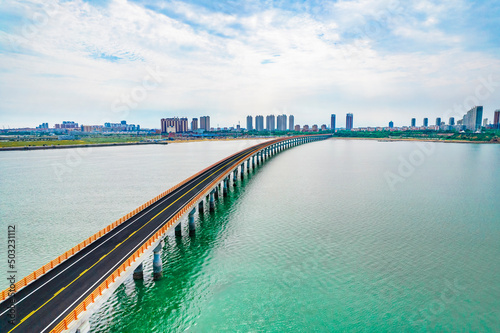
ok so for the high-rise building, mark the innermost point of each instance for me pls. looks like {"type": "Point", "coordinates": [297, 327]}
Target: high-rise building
{"type": "Point", "coordinates": [249, 123]}
{"type": "Point", "coordinates": [179, 124]}
{"type": "Point", "coordinates": [271, 122]}
{"type": "Point", "coordinates": [297, 128]}
{"type": "Point", "coordinates": [496, 120]}
{"type": "Point", "coordinates": [426, 122]}
{"type": "Point", "coordinates": [485, 122]}
{"type": "Point", "coordinates": [291, 123]}
{"type": "Point", "coordinates": [165, 124]}
{"type": "Point", "coordinates": [472, 119]}
{"type": "Point", "coordinates": [413, 122]}
{"type": "Point", "coordinates": [194, 124]}
{"type": "Point", "coordinates": [349, 121]}
{"type": "Point", "coordinates": [315, 128]}
{"type": "Point", "coordinates": [438, 121]}
{"type": "Point", "coordinates": [205, 123]}
{"type": "Point", "coordinates": [391, 124]}
{"type": "Point", "coordinates": [183, 125]}
{"type": "Point", "coordinates": [323, 127]}
{"type": "Point", "coordinates": [452, 121]}
{"type": "Point", "coordinates": [305, 128]}
{"type": "Point", "coordinates": [281, 122]}
{"type": "Point", "coordinates": [259, 123]}
{"type": "Point", "coordinates": [332, 123]}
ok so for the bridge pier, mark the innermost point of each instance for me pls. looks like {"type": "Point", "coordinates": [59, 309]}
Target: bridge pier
{"type": "Point", "coordinates": [235, 176]}
{"type": "Point", "coordinates": [200, 207]}
{"type": "Point", "coordinates": [242, 171]}
{"type": "Point", "coordinates": [138, 273]}
{"type": "Point", "coordinates": [157, 269]}
{"type": "Point", "coordinates": [224, 189]}
{"type": "Point", "coordinates": [248, 165]}
{"type": "Point", "coordinates": [192, 225]}
{"type": "Point", "coordinates": [216, 193]}
{"type": "Point", "coordinates": [178, 230]}
{"type": "Point", "coordinates": [212, 201]}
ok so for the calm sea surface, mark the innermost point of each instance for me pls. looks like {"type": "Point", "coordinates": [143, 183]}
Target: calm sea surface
{"type": "Point", "coordinates": [337, 235]}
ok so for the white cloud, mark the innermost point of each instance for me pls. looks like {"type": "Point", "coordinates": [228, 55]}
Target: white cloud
{"type": "Point", "coordinates": [230, 65]}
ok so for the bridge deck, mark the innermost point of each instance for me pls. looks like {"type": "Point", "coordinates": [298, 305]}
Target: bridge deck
{"type": "Point", "coordinates": [45, 302]}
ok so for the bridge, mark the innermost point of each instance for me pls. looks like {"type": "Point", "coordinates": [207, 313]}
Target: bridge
{"type": "Point", "coordinates": [62, 295]}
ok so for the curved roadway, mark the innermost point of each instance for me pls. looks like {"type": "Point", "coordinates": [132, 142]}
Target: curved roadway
{"type": "Point", "coordinates": [46, 301]}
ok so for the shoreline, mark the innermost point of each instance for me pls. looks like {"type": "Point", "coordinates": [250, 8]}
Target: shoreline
{"type": "Point", "coordinates": [89, 145]}
{"type": "Point", "coordinates": [415, 139]}
{"type": "Point", "coordinates": [94, 145]}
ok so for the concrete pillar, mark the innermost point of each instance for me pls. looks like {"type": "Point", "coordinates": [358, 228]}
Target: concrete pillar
{"type": "Point", "coordinates": [235, 176]}
{"type": "Point", "coordinates": [200, 207]}
{"type": "Point", "coordinates": [138, 273]}
{"type": "Point", "coordinates": [212, 201]}
{"type": "Point", "coordinates": [248, 165]}
{"type": "Point", "coordinates": [216, 193]}
{"type": "Point", "coordinates": [253, 162]}
{"type": "Point", "coordinates": [242, 171]}
{"type": "Point", "coordinates": [157, 269]}
{"type": "Point", "coordinates": [192, 225]}
{"type": "Point", "coordinates": [224, 189]}
{"type": "Point", "coordinates": [178, 230]}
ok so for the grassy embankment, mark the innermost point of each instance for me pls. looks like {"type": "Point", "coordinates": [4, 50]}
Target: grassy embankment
{"type": "Point", "coordinates": [81, 141]}
{"type": "Point", "coordinates": [486, 136]}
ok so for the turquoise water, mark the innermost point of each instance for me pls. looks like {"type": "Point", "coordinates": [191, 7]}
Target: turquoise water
{"type": "Point", "coordinates": [321, 238]}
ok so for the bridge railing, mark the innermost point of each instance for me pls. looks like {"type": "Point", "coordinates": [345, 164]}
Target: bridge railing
{"type": "Point", "coordinates": [63, 257]}
{"type": "Point", "coordinates": [82, 307]}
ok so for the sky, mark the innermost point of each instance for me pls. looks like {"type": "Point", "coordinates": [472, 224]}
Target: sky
{"type": "Point", "coordinates": [142, 60]}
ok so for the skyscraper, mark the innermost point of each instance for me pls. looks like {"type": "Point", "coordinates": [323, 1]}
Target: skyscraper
{"type": "Point", "coordinates": [205, 123]}
{"type": "Point", "coordinates": [413, 122]}
{"type": "Point", "coordinates": [332, 123]}
{"type": "Point", "coordinates": [180, 125]}
{"type": "Point", "coordinates": [349, 119]}
{"type": "Point", "coordinates": [194, 124]}
{"type": "Point", "coordinates": [291, 123]}
{"type": "Point", "coordinates": [183, 125]}
{"type": "Point", "coordinates": [452, 121]}
{"type": "Point", "coordinates": [496, 120]}
{"type": "Point", "coordinates": [438, 121]}
{"type": "Point", "coordinates": [259, 123]}
{"type": "Point", "coordinates": [249, 123]}
{"type": "Point", "coordinates": [281, 122]}
{"type": "Point", "coordinates": [271, 122]}
{"type": "Point", "coordinates": [473, 118]}
{"type": "Point", "coordinates": [391, 124]}
{"type": "Point", "coordinates": [426, 122]}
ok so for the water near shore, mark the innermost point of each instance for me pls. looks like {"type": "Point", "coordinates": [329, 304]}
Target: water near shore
{"type": "Point", "coordinates": [338, 235]}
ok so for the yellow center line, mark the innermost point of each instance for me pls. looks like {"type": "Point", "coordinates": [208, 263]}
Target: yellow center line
{"type": "Point", "coordinates": [85, 271]}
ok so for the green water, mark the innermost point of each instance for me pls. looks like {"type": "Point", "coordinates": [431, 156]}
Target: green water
{"type": "Point", "coordinates": [317, 240]}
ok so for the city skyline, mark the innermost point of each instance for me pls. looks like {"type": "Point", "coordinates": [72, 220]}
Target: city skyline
{"type": "Point", "coordinates": [284, 123]}
{"type": "Point", "coordinates": [310, 65]}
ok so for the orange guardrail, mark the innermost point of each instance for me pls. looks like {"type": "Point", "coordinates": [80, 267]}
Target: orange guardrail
{"type": "Point", "coordinates": [73, 315]}
{"type": "Point", "coordinates": [53, 263]}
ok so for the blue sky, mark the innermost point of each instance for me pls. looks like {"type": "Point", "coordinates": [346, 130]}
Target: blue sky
{"type": "Point", "coordinates": [96, 61]}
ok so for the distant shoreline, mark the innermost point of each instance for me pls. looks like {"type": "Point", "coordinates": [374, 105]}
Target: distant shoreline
{"type": "Point", "coordinates": [89, 145]}
{"type": "Point", "coordinates": [93, 145]}
{"type": "Point", "coordinates": [413, 139]}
